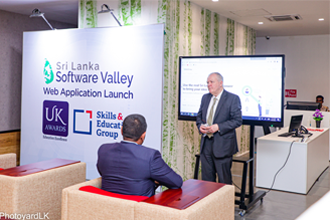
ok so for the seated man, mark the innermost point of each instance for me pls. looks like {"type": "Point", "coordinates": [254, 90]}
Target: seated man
{"type": "Point", "coordinates": [320, 100]}
{"type": "Point", "coordinates": [132, 169]}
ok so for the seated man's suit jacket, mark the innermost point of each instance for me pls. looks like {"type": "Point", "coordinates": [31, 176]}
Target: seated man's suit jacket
{"type": "Point", "coordinates": [131, 169]}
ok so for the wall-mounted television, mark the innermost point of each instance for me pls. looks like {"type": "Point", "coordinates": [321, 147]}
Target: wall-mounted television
{"type": "Point", "coordinates": [257, 79]}
{"type": "Point", "coordinates": [302, 105]}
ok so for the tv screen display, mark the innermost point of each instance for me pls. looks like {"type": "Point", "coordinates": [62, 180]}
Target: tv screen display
{"type": "Point", "coordinates": [257, 79]}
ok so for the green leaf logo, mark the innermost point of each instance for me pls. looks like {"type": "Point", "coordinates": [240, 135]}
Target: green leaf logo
{"type": "Point", "coordinates": [48, 72]}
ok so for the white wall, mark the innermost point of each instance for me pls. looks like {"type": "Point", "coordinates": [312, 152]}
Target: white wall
{"type": "Point", "coordinates": [306, 61]}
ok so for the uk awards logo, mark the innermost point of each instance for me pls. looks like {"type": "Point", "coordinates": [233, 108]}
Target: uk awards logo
{"type": "Point", "coordinates": [55, 118]}
{"type": "Point", "coordinates": [82, 121]}
{"type": "Point", "coordinates": [48, 72]}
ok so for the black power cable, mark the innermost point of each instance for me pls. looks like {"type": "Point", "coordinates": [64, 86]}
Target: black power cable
{"type": "Point", "coordinates": [287, 158]}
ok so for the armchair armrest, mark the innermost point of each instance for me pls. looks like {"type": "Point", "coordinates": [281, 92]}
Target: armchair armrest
{"type": "Point", "coordinates": [219, 205]}
{"type": "Point", "coordinates": [7, 160]}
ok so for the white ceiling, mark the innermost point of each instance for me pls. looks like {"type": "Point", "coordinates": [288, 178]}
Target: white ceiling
{"type": "Point", "coordinates": [310, 11]}
{"type": "Point", "coordinates": [246, 12]}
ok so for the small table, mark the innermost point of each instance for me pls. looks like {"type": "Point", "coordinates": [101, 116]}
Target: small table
{"type": "Point", "coordinates": [192, 191]}
{"type": "Point", "coordinates": [37, 167]}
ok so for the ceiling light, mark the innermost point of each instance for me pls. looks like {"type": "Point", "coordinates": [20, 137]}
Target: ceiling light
{"type": "Point", "coordinates": [37, 13]}
{"type": "Point", "coordinates": [215, 0]}
{"type": "Point", "coordinates": [321, 19]}
{"type": "Point", "coordinates": [107, 9]}
{"type": "Point", "coordinates": [260, 22]}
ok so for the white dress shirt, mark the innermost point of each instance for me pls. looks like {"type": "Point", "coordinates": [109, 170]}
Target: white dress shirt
{"type": "Point", "coordinates": [215, 105]}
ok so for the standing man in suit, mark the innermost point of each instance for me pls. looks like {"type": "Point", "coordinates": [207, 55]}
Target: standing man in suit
{"type": "Point", "coordinates": [218, 117]}
{"type": "Point", "coordinates": [132, 169]}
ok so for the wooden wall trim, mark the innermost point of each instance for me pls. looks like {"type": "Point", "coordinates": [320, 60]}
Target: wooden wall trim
{"type": "Point", "coordinates": [10, 142]}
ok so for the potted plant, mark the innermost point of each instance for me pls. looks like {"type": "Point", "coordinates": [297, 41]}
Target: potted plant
{"type": "Point", "coordinates": [318, 117]}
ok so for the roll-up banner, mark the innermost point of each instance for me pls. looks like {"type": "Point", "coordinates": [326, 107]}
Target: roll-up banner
{"type": "Point", "coordinates": [79, 84]}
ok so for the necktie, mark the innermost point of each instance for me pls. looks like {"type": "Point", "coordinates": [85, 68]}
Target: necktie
{"type": "Point", "coordinates": [210, 118]}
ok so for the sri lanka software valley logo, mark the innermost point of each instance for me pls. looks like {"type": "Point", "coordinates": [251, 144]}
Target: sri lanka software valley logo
{"type": "Point", "coordinates": [48, 72]}
{"type": "Point", "coordinates": [55, 118]}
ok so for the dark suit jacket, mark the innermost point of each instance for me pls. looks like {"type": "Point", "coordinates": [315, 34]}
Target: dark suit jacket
{"type": "Point", "coordinates": [131, 169]}
{"type": "Point", "coordinates": [228, 116]}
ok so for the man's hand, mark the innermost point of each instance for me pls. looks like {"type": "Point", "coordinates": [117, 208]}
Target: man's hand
{"type": "Point", "coordinates": [213, 128]}
{"type": "Point", "coordinates": [156, 184]}
{"type": "Point", "coordinates": [204, 129]}
{"type": "Point", "coordinates": [209, 129]}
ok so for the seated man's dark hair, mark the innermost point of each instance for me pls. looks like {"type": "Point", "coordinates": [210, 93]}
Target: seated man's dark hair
{"type": "Point", "coordinates": [320, 96]}
{"type": "Point", "coordinates": [134, 126]}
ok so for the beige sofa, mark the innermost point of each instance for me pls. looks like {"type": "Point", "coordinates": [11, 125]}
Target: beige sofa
{"type": "Point", "coordinates": [7, 160]}
{"type": "Point", "coordinates": [39, 192]}
{"type": "Point", "coordinates": [82, 205]}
